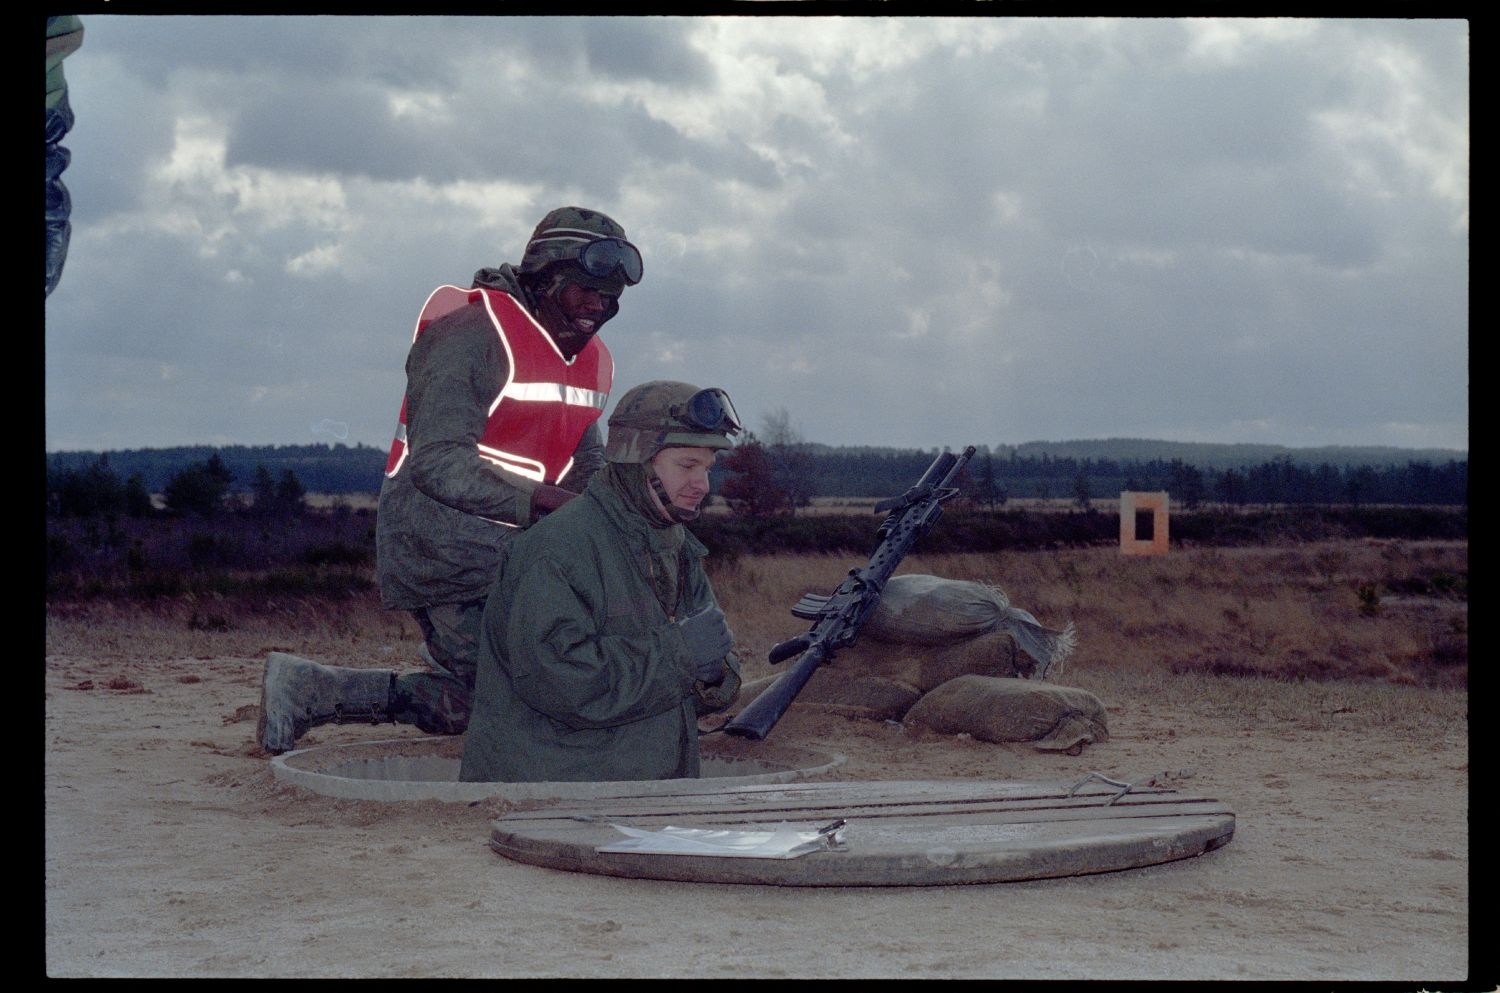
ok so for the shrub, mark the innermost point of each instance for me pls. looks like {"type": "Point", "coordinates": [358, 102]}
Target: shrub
{"type": "Point", "coordinates": [199, 489]}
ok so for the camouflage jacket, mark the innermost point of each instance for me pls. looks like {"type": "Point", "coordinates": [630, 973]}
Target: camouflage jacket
{"type": "Point", "coordinates": [444, 517]}
{"type": "Point", "coordinates": [585, 677]}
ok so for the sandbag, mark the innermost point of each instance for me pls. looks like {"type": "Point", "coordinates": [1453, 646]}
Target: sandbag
{"type": "Point", "coordinates": [930, 610]}
{"type": "Point", "coordinates": [928, 667]}
{"type": "Point", "coordinates": [874, 698]}
{"type": "Point", "coordinates": [866, 696]}
{"type": "Point", "coordinates": [1055, 718]}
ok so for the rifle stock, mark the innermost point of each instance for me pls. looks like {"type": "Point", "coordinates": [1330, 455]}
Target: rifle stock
{"type": "Point", "coordinates": [837, 618]}
{"type": "Point", "coordinates": [757, 719]}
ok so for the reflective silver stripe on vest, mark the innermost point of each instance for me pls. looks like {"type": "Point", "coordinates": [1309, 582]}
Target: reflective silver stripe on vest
{"type": "Point", "coordinates": [518, 464]}
{"type": "Point", "coordinates": [522, 466]}
{"type": "Point", "coordinates": [491, 520]}
{"type": "Point", "coordinates": [573, 396]}
{"type": "Point", "coordinates": [400, 459]}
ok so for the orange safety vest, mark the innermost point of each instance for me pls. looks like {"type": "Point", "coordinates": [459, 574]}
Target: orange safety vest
{"type": "Point", "coordinates": [547, 401]}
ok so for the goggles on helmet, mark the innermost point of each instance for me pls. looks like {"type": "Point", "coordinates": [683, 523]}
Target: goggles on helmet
{"type": "Point", "coordinates": [601, 258]}
{"type": "Point", "coordinates": [709, 410]}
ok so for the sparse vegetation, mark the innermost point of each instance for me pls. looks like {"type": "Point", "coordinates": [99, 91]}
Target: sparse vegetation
{"type": "Point", "coordinates": [330, 552]}
{"type": "Point", "coordinates": [1303, 595]}
{"type": "Point", "coordinates": [1291, 612]}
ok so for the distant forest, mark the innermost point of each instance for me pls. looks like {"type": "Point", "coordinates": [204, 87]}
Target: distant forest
{"type": "Point", "coordinates": [1054, 471]}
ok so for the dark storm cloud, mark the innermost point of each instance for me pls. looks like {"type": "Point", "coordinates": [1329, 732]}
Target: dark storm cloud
{"type": "Point", "coordinates": [649, 49]}
{"type": "Point", "coordinates": [914, 232]}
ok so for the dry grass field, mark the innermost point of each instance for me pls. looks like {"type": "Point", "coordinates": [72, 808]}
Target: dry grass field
{"type": "Point", "coordinates": [1295, 612]}
{"type": "Point", "coordinates": [1319, 689]}
{"type": "Point", "coordinates": [1369, 611]}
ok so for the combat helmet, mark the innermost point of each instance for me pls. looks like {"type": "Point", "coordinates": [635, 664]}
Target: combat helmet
{"type": "Point", "coordinates": [588, 238]}
{"type": "Point", "coordinates": [664, 413]}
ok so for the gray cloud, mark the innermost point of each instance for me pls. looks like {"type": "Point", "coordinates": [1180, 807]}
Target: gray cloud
{"type": "Point", "coordinates": [919, 232]}
{"type": "Point", "coordinates": [654, 49]}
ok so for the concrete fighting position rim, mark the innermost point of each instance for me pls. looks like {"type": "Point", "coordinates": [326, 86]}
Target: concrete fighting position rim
{"type": "Point", "coordinates": [369, 770]}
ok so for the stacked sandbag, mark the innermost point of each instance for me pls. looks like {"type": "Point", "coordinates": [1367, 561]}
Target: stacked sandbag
{"type": "Point", "coordinates": [933, 611]}
{"type": "Point", "coordinates": [925, 667]}
{"type": "Point", "coordinates": [949, 655]}
{"type": "Point", "coordinates": [1055, 718]}
{"type": "Point", "coordinates": [881, 680]}
{"type": "Point", "coordinates": [836, 689]}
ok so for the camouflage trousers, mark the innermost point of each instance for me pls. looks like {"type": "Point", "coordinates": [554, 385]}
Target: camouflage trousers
{"type": "Point", "coordinates": [438, 701]}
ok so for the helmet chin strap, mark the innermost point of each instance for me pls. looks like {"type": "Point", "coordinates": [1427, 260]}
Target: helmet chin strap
{"type": "Point", "coordinates": [549, 314]}
{"type": "Point", "coordinates": [669, 510]}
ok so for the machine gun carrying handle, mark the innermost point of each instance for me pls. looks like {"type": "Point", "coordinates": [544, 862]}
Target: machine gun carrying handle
{"type": "Point", "coordinates": [810, 607]}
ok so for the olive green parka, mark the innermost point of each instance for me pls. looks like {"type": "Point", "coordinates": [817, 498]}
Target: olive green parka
{"type": "Point", "coordinates": [583, 674]}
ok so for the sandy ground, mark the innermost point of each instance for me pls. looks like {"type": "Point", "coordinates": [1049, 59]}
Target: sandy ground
{"type": "Point", "coordinates": [172, 850]}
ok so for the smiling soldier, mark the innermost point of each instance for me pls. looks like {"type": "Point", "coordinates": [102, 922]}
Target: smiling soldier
{"type": "Point", "coordinates": [505, 382]}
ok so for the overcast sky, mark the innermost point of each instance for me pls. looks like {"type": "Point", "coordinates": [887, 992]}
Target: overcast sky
{"type": "Point", "coordinates": [897, 232]}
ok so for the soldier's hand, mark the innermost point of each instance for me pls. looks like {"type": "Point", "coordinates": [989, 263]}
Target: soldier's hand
{"type": "Point", "coordinates": [545, 499]}
{"type": "Point", "coordinates": [708, 640]}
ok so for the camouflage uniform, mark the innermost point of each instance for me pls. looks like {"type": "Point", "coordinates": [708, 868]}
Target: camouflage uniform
{"type": "Point", "coordinates": [437, 540]}
{"type": "Point", "coordinates": [64, 36]}
{"type": "Point", "coordinates": [446, 514]}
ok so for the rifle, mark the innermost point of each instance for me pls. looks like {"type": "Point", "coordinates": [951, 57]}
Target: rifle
{"type": "Point", "coordinates": [837, 618]}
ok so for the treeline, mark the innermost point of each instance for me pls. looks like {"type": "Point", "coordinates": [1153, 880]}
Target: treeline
{"type": "Point", "coordinates": [968, 530]}
{"type": "Point", "coordinates": [202, 489]}
{"type": "Point", "coordinates": [804, 471]}
{"type": "Point", "coordinates": [106, 536]}
{"type": "Point", "coordinates": [1282, 480]}
{"type": "Point", "coordinates": [320, 468]}
{"type": "Point", "coordinates": [1240, 455]}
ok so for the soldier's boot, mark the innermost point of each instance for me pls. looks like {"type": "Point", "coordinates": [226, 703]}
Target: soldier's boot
{"type": "Point", "coordinates": [297, 694]}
